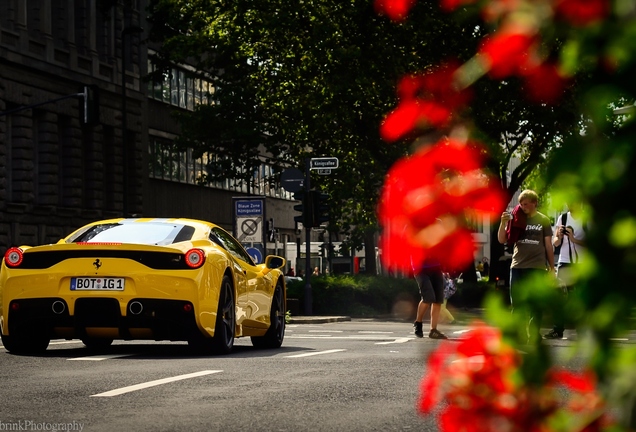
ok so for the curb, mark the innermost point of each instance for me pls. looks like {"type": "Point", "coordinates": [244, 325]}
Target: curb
{"type": "Point", "coordinates": [317, 319]}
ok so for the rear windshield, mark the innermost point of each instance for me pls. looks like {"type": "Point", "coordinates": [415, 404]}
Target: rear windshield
{"type": "Point", "coordinates": [138, 233]}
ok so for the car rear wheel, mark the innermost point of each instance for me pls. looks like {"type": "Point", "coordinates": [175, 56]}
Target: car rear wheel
{"type": "Point", "coordinates": [225, 326]}
{"type": "Point", "coordinates": [31, 345]}
{"type": "Point", "coordinates": [276, 332]}
{"type": "Point", "coordinates": [96, 343]}
{"type": "Point", "coordinates": [225, 329]}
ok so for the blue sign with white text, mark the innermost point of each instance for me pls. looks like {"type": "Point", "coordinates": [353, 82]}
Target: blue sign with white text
{"type": "Point", "coordinates": [249, 208]}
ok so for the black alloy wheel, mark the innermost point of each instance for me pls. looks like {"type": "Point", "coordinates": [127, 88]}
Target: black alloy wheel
{"type": "Point", "coordinates": [225, 329]}
{"type": "Point", "coordinates": [276, 332]}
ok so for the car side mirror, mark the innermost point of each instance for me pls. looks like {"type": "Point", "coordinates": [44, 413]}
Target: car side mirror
{"type": "Point", "coordinates": [274, 262]}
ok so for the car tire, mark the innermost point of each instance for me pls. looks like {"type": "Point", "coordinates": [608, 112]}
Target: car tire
{"type": "Point", "coordinates": [96, 343]}
{"type": "Point", "coordinates": [276, 332]}
{"type": "Point", "coordinates": [32, 345]}
{"type": "Point", "coordinates": [225, 327]}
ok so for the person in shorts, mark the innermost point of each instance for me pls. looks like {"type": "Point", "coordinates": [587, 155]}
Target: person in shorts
{"type": "Point", "coordinates": [430, 280]}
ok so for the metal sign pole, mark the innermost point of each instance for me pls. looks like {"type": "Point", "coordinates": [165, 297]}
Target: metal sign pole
{"type": "Point", "coordinates": [308, 298]}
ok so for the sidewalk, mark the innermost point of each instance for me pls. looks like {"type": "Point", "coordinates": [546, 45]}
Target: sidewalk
{"type": "Point", "coordinates": [462, 316]}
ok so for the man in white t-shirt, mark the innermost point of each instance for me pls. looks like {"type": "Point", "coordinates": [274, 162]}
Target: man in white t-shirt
{"type": "Point", "coordinates": [570, 235]}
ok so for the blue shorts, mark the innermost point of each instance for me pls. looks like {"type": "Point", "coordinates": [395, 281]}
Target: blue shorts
{"type": "Point", "coordinates": [431, 283]}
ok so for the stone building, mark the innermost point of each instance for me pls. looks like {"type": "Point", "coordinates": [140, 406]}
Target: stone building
{"type": "Point", "coordinates": [57, 172]}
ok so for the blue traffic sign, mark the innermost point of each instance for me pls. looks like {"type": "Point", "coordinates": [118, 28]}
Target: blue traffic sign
{"type": "Point", "coordinates": [256, 254]}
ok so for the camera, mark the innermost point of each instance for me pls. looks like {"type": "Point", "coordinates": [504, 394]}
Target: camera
{"type": "Point", "coordinates": [565, 232]}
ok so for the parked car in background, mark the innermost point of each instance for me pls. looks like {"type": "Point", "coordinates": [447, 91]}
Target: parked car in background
{"type": "Point", "coordinates": [156, 279]}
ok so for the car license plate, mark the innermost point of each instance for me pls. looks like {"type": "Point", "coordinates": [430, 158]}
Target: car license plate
{"type": "Point", "coordinates": [99, 284]}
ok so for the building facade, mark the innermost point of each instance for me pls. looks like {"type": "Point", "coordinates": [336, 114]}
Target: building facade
{"type": "Point", "coordinates": [58, 172]}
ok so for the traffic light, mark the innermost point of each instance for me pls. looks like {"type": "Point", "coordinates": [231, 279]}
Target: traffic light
{"type": "Point", "coordinates": [320, 208]}
{"type": "Point", "coordinates": [305, 208]}
{"type": "Point", "coordinates": [89, 105]}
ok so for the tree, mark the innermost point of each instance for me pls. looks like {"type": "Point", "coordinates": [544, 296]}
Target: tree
{"type": "Point", "coordinates": [321, 75]}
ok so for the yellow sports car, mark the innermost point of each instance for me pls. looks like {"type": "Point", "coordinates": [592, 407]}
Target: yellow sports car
{"type": "Point", "coordinates": [156, 279]}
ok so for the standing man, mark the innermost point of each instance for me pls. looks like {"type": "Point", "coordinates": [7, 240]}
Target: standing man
{"type": "Point", "coordinates": [570, 235]}
{"type": "Point", "coordinates": [533, 253]}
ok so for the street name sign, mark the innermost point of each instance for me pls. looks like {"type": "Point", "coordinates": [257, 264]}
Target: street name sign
{"type": "Point", "coordinates": [323, 163]}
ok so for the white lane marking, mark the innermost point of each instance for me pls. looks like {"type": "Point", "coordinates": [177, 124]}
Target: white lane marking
{"type": "Point", "coordinates": [315, 336]}
{"type": "Point", "coordinates": [615, 339]}
{"type": "Point", "coordinates": [375, 332]}
{"type": "Point", "coordinates": [141, 386]}
{"type": "Point", "coordinates": [315, 353]}
{"type": "Point", "coordinates": [55, 343]}
{"type": "Point", "coordinates": [330, 337]}
{"type": "Point", "coordinates": [398, 340]}
{"type": "Point", "coordinates": [101, 357]}
{"type": "Point", "coordinates": [325, 331]}
{"type": "Point", "coordinates": [461, 331]}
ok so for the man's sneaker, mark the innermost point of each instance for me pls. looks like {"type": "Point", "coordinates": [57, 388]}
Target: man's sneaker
{"type": "Point", "coordinates": [553, 335]}
{"type": "Point", "coordinates": [418, 329]}
{"type": "Point", "coordinates": [436, 334]}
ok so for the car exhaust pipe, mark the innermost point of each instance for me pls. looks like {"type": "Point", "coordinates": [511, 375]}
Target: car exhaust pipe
{"type": "Point", "coordinates": [136, 308]}
{"type": "Point", "coordinates": [58, 307]}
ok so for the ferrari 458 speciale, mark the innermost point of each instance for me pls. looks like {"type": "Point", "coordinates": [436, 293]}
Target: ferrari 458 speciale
{"type": "Point", "coordinates": [130, 279]}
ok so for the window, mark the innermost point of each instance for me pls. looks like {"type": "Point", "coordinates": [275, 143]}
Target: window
{"type": "Point", "coordinates": [7, 13]}
{"type": "Point", "coordinates": [180, 88]}
{"type": "Point", "coordinates": [59, 23]}
{"type": "Point", "coordinates": [228, 243]}
{"type": "Point", "coordinates": [34, 18]}
{"type": "Point", "coordinates": [168, 163]}
{"type": "Point", "coordinates": [104, 32]}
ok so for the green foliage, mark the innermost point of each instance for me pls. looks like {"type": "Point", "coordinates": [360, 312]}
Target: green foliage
{"type": "Point", "coordinates": [358, 296]}
{"type": "Point", "coordinates": [322, 75]}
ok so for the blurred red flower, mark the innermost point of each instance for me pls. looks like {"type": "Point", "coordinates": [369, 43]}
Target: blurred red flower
{"type": "Point", "coordinates": [582, 12]}
{"type": "Point", "coordinates": [426, 100]}
{"type": "Point", "coordinates": [478, 382]}
{"type": "Point", "coordinates": [425, 201]}
{"type": "Point", "coordinates": [544, 83]}
{"type": "Point", "coordinates": [397, 10]}
{"type": "Point", "coordinates": [507, 53]}
{"type": "Point", "coordinates": [451, 5]}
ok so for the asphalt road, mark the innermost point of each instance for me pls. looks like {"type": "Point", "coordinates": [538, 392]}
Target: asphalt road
{"type": "Point", "coordinates": [360, 375]}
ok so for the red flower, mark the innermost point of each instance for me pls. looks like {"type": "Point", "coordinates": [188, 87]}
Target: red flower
{"type": "Point", "coordinates": [507, 53]}
{"type": "Point", "coordinates": [397, 10]}
{"type": "Point", "coordinates": [426, 100]}
{"type": "Point", "coordinates": [582, 12]}
{"type": "Point", "coordinates": [425, 200]}
{"type": "Point", "coordinates": [412, 115]}
{"type": "Point", "coordinates": [451, 5]}
{"type": "Point", "coordinates": [580, 382]}
{"type": "Point", "coordinates": [480, 389]}
{"type": "Point", "coordinates": [544, 84]}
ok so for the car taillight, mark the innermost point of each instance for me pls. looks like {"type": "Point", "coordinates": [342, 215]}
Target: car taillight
{"type": "Point", "coordinates": [194, 258]}
{"type": "Point", "coordinates": [13, 257]}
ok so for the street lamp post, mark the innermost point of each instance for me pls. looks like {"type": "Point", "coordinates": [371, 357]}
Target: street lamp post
{"type": "Point", "coordinates": [124, 111]}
